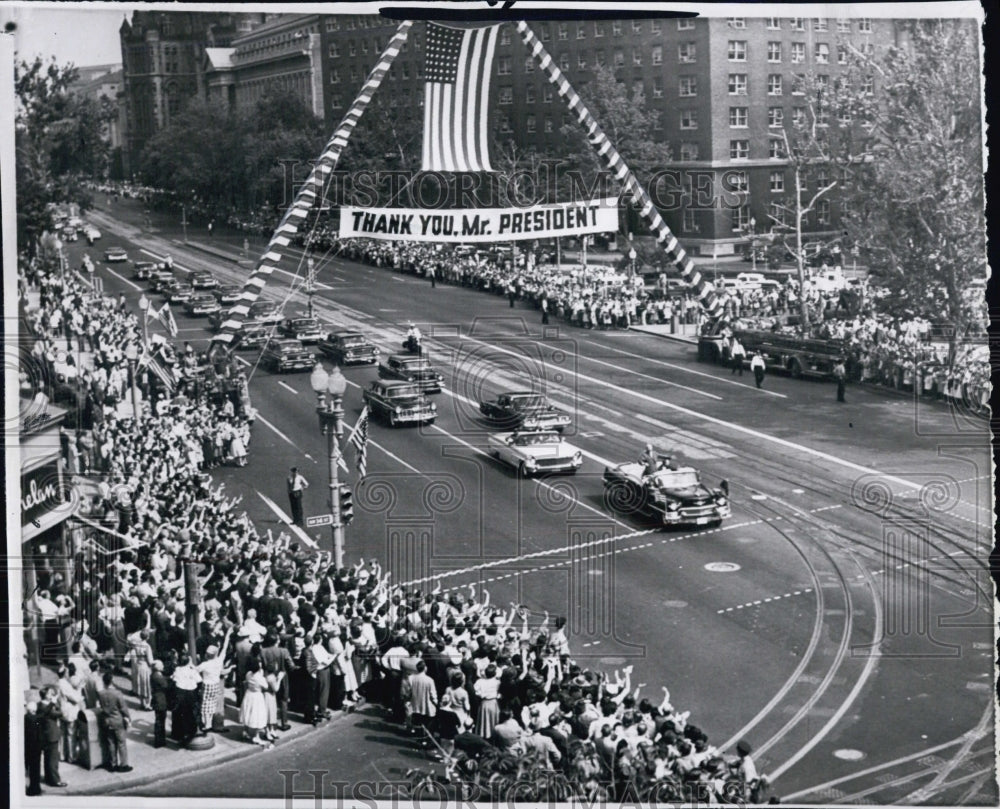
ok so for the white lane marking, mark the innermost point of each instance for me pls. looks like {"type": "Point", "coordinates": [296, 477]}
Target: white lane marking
{"type": "Point", "coordinates": [299, 532]}
{"type": "Point", "coordinates": [245, 362]}
{"type": "Point", "coordinates": [396, 458]}
{"type": "Point", "coordinates": [723, 423]}
{"type": "Point", "coordinates": [286, 386]}
{"type": "Point", "coordinates": [766, 601]}
{"type": "Point", "coordinates": [541, 483]}
{"type": "Point", "coordinates": [687, 370]}
{"type": "Point", "coordinates": [649, 376]}
{"type": "Point", "coordinates": [123, 278]}
{"type": "Point", "coordinates": [686, 440]}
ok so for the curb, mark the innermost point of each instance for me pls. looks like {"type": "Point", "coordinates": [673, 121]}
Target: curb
{"type": "Point", "coordinates": [675, 337]}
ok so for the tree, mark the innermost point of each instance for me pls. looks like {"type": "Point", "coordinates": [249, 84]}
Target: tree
{"type": "Point", "coordinates": [916, 209]}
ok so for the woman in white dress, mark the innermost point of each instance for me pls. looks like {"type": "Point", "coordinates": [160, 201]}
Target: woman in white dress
{"type": "Point", "coordinates": [253, 710]}
{"type": "Point", "coordinates": [487, 688]}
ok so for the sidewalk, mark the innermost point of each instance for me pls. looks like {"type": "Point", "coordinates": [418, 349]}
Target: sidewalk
{"type": "Point", "coordinates": [686, 332]}
{"type": "Point", "coordinates": [150, 763]}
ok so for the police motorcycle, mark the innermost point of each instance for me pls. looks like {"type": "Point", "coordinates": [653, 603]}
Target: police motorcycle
{"type": "Point", "coordinates": [412, 343]}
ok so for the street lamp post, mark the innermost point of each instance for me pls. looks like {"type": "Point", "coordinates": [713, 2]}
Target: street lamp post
{"type": "Point", "coordinates": [631, 263]}
{"type": "Point", "coordinates": [132, 355]}
{"type": "Point", "coordinates": [310, 282]}
{"type": "Point", "coordinates": [184, 222]}
{"type": "Point", "coordinates": [144, 308]}
{"type": "Point", "coordinates": [329, 388]}
{"type": "Point", "coordinates": [753, 242]}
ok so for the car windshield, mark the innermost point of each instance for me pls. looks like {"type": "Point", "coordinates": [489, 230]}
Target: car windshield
{"type": "Point", "coordinates": [536, 439]}
{"type": "Point", "coordinates": [352, 341]}
{"type": "Point", "coordinates": [403, 391]}
{"type": "Point", "coordinates": [525, 402]}
{"type": "Point", "coordinates": [681, 479]}
{"type": "Point", "coordinates": [304, 323]}
{"type": "Point", "coordinates": [414, 364]}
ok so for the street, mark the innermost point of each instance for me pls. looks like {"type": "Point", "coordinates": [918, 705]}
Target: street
{"type": "Point", "coordinates": [840, 619]}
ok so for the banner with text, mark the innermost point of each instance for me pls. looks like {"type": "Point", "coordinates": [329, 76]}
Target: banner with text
{"type": "Point", "coordinates": [481, 224]}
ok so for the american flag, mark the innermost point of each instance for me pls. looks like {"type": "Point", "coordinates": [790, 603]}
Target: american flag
{"type": "Point", "coordinates": [359, 438]}
{"type": "Point", "coordinates": [456, 98]}
{"type": "Point", "coordinates": [166, 317]}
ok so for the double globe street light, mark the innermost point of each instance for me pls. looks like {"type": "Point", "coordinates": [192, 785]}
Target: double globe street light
{"type": "Point", "coordinates": [329, 389]}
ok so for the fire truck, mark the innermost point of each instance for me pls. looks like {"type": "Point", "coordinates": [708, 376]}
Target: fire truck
{"type": "Point", "coordinates": [798, 356]}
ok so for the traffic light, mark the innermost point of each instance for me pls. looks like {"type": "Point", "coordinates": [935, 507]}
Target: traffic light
{"type": "Point", "coordinates": [346, 504]}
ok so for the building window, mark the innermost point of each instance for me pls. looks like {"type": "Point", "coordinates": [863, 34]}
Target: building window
{"type": "Point", "coordinates": [505, 124]}
{"type": "Point", "coordinates": [689, 225]}
{"type": "Point", "coordinates": [354, 73]}
{"type": "Point", "coordinates": [336, 101]}
{"type": "Point", "coordinates": [616, 28]}
{"type": "Point", "coordinates": [739, 182]}
{"type": "Point", "coordinates": [563, 31]}
{"type": "Point", "coordinates": [799, 84]}
{"type": "Point", "coordinates": [865, 25]}
{"type": "Point", "coordinates": [636, 57]}
{"type": "Point", "coordinates": [506, 95]}
{"type": "Point", "coordinates": [687, 86]}
{"type": "Point", "coordinates": [686, 52]}
{"type": "Point", "coordinates": [798, 116]}
{"type": "Point", "coordinates": [774, 86]}
{"type": "Point", "coordinates": [737, 22]}
{"type": "Point", "coordinates": [655, 26]}
{"type": "Point", "coordinates": [739, 149]}
{"type": "Point", "coordinates": [529, 64]}
{"type": "Point", "coordinates": [819, 24]}
{"type": "Point", "coordinates": [776, 211]}
{"type": "Point", "coordinates": [334, 50]}
{"type": "Point", "coordinates": [868, 86]}
{"type": "Point", "coordinates": [505, 36]}
{"type": "Point", "coordinates": [598, 29]}
{"type": "Point", "coordinates": [823, 81]}
{"type": "Point", "coordinates": [657, 87]}
{"type": "Point", "coordinates": [823, 212]}
{"type": "Point", "coordinates": [686, 24]}
{"type": "Point", "coordinates": [773, 23]}
{"type": "Point", "coordinates": [657, 55]}
{"type": "Point", "coordinates": [599, 58]}
{"type": "Point", "coordinates": [638, 88]}
{"type": "Point", "coordinates": [531, 125]}
{"type": "Point", "coordinates": [689, 151]}
{"type": "Point", "coordinates": [334, 76]}
{"type": "Point", "coordinates": [545, 34]}
{"type": "Point", "coordinates": [776, 149]}
{"type": "Point", "coordinates": [773, 51]}
{"type": "Point", "coordinates": [332, 24]}
{"type": "Point", "coordinates": [405, 70]}
{"type": "Point", "coordinates": [352, 49]}
{"type": "Point", "coordinates": [843, 26]}
{"type": "Point", "coordinates": [581, 60]}
{"type": "Point", "coordinates": [636, 26]}
{"type": "Point", "coordinates": [741, 218]}
{"type": "Point", "coordinates": [737, 84]}
{"type": "Point", "coordinates": [689, 119]}
{"type": "Point", "coordinates": [364, 46]}
{"type": "Point", "coordinates": [548, 123]}
{"type": "Point", "coordinates": [775, 117]}
{"type": "Point", "coordinates": [619, 58]}
{"type": "Point", "coordinates": [546, 93]}
{"type": "Point", "coordinates": [777, 182]}
{"type": "Point", "coordinates": [738, 117]}
{"type": "Point", "coordinates": [737, 50]}
{"type": "Point", "coordinates": [503, 66]}
{"type": "Point", "coordinates": [564, 61]}
{"type": "Point", "coordinates": [529, 94]}
{"type": "Point", "coordinates": [581, 31]}
{"type": "Point", "coordinates": [797, 23]}
{"type": "Point", "coordinates": [822, 53]}
{"type": "Point", "coordinates": [841, 54]}
{"type": "Point", "coordinates": [798, 52]}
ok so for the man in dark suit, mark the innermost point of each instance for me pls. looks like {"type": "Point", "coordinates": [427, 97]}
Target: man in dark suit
{"type": "Point", "coordinates": [115, 716]}
{"type": "Point", "coordinates": [33, 748]}
{"type": "Point", "coordinates": [50, 717]}
{"type": "Point", "coordinates": [160, 687]}
{"type": "Point", "coordinates": [275, 659]}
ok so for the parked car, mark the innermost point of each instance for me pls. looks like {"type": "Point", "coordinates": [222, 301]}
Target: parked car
{"type": "Point", "coordinates": [142, 270]}
{"type": "Point", "coordinates": [672, 494]}
{"type": "Point", "coordinates": [286, 354]}
{"type": "Point", "coordinates": [227, 294]}
{"type": "Point", "coordinates": [348, 348]}
{"type": "Point", "coordinates": [200, 279]}
{"type": "Point", "coordinates": [115, 254]}
{"type": "Point", "coordinates": [178, 292]}
{"type": "Point", "coordinates": [304, 329]}
{"type": "Point", "coordinates": [201, 303]}
{"type": "Point", "coordinates": [399, 403]}
{"type": "Point", "coordinates": [524, 410]}
{"type": "Point", "coordinates": [411, 369]}
{"type": "Point", "coordinates": [265, 312]}
{"type": "Point", "coordinates": [532, 452]}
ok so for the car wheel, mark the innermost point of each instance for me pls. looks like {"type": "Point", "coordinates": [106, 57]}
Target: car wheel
{"type": "Point", "coordinates": [522, 470]}
{"type": "Point", "coordinates": [429, 422]}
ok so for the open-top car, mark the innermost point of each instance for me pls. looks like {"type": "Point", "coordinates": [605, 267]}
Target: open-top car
{"type": "Point", "coordinates": [524, 410]}
{"type": "Point", "coordinates": [201, 279]}
{"type": "Point", "coordinates": [411, 369]}
{"type": "Point", "coordinates": [226, 295]}
{"type": "Point", "coordinates": [348, 348]}
{"type": "Point", "coordinates": [91, 233]}
{"type": "Point", "coordinates": [115, 254]}
{"type": "Point", "coordinates": [142, 270]}
{"type": "Point", "coordinates": [265, 312]}
{"type": "Point", "coordinates": [159, 276]}
{"type": "Point", "coordinates": [302, 328]}
{"type": "Point", "coordinates": [532, 452]}
{"type": "Point", "coordinates": [201, 303]}
{"type": "Point", "coordinates": [286, 354]}
{"type": "Point", "coordinates": [399, 402]}
{"type": "Point", "coordinates": [672, 494]}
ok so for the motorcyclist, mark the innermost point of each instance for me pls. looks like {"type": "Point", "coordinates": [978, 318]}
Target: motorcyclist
{"type": "Point", "coordinates": [413, 338]}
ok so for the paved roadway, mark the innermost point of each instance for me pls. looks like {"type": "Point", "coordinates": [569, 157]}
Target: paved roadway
{"type": "Point", "coordinates": [847, 630]}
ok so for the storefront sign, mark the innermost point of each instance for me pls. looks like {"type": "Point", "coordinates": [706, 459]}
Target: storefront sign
{"type": "Point", "coordinates": [41, 492]}
{"type": "Point", "coordinates": [480, 224]}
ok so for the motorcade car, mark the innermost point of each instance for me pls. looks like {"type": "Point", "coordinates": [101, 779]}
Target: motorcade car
{"type": "Point", "coordinates": [251, 336]}
{"type": "Point", "coordinates": [535, 451]}
{"type": "Point", "coordinates": [348, 348]}
{"type": "Point", "coordinates": [201, 303]}
{"type": "Point", "coordinates": [670, 493]}
{"type": "Point", "coordinates": [160, 277]}
{"type": "Point", "coordinates": [284, 354]}
{"type": "Point", "coordinates": [201, 279]}
{"type": "Point", "coordinates": [91, 233]}
{"type": "Point", "coordinates": [114, 254]}
{"type": "Point", "coordinates": [265, 312]}
{"type": "Point", "coordinates": [399, 402]}
{"type": "Point", "coordinates": [69, 234]}
{"type": "Point", "coordinates": [142, 270]}
{"type": "Point", "coordinates": [303, 328]}
{"type": "Point", "coordinates": [178, 292]}
{"type": "Point", "coordinates": [412, 369]}
{"type": "Point", "coordinates": [524, 410]}
{"type": "Point", "coordinates": [227, 294]}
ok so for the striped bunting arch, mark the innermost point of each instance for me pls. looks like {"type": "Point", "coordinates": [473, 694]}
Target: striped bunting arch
{"type": "Point", "coordinates": [311, 189]}
{"type": "Point", "coordinates": [616, 164]}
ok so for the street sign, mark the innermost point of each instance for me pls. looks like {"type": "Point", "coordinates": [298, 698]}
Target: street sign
{"type": "Point", "coordinates": [318, 520]}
